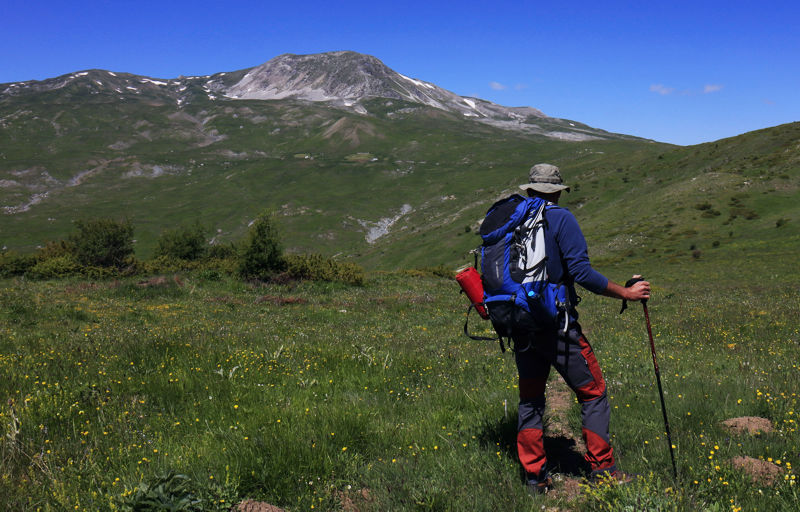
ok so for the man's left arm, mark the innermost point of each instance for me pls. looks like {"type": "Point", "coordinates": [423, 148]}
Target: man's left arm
{"type": "Point", "coordinates": [573, 247]}
{"type": "Point", "coordinates": [640, 290]}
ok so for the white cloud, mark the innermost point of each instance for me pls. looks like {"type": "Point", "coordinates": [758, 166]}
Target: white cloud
{"type": "Point", "coordinates": [520, 87]}
{"type": "Point", "coordinates": [497, 86]}
{"type": "Point", "coordinates": [709, 88]}
{"type": "Point", "coordinates": [661, 89]}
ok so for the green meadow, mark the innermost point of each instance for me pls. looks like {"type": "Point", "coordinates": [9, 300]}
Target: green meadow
{"type": "Point", "coordinates": [188, 393]}
{"type": "Point", "coordinates": [196, 390]}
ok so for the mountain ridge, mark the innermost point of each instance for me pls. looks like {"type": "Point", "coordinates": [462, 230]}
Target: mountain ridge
{"type": "Point", "coordinates": [344, 79]}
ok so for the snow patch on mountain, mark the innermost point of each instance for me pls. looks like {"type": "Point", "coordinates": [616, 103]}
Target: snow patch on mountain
{"type": "Point", "coordinates": [151, 81]}
{"type": "Point", "coordinates": [417, 82]}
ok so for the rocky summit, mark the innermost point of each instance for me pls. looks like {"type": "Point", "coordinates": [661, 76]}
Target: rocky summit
{"type": "Point", "coordinates": [347, 79]}
{"type": "Point", "coordinates": [344, 79]}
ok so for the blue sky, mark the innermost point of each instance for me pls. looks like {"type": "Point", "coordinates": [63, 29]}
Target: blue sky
{"type": "Point", "coordinates": [679, 72]}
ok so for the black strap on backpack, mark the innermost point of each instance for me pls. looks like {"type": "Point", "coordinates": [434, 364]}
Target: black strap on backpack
{"type": "Point", "coordinates": [484, 338]}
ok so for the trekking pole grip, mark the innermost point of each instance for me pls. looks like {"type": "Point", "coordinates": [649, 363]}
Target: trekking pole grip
{"type": "Point", "coordinates": [630, 282]}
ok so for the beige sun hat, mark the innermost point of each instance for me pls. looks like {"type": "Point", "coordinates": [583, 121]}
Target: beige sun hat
{"type": "Point", "coordinates": [545, 178]}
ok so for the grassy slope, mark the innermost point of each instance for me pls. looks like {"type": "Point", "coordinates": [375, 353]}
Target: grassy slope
{"type": "Point", "coordinates": [223, 162]}
{"type": "Point", "coordinates": [646, 204]}
{"type": "Point", "coordinates": [329, 174]}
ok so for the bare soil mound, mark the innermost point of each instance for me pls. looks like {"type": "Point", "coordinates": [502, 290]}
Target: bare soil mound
{"type": "Point", "coordinates": [565, 487]}
{"type": "Point", "coordinates": [354, 501]}
{"type": "Point", "coordinates": [748, 424]}
{"type": "Point", "coordinates": [761, 471]}
{"type": "Point", "coordinates": [256, 506]}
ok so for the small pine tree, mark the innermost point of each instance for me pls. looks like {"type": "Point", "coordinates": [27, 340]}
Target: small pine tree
{"type": "Point", "coordinates": [262, 254]}
{"type": "Point", "coordinates": [102, 242]}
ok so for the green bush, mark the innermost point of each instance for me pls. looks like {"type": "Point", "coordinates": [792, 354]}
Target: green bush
{"type": "Point", "coordinates": [54, 268]}
{"type": "Point", "coordinates": [262, 254]}
{"type": "Point", "coordinates": [184, 242]}
{"type": "Point", "coordinates": [13, 264]}
{"type": "Point", "coordinates": [54, 250]}
{"type": "Point", "coordinates": [170, 265]}
{"type": "Point", "coordinates": [316, 267]}
{"type": "Point", "coordinates": [102, 242]}
{"type": "Point", "coordinates": [221, 265]}
{"type": "Point", "coordinates": [164, 265]}
{"type": "Point", "coordinates": [222, 251]}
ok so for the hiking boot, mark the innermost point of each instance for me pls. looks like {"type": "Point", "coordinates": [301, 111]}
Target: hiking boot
{"type": "Point", "coordinates": [539, 486]}
{"type": "Point", "coordinates": [611, 477]}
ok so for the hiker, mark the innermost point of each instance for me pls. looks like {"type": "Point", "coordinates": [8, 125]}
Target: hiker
{"type": "Point", "coordinates": [565, 349]}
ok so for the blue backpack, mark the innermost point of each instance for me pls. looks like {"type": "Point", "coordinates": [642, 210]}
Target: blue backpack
{"type": "Point", "coordinates": [517, 293]}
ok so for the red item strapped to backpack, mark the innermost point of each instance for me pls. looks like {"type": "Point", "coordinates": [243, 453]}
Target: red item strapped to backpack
{"type": "Point", "coordinates": [471, 284]}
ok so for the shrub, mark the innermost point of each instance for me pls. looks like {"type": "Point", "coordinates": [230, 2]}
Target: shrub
{"type": "Point", "coordinates": [222, 251]}
{"type": "Point", "coordinates": [13, 264]}
{"type": "Point", "coordinates": [318, 268]}
{"type": "Point", "coordinates": [262, 255]}
{"type": "Point", "coordinates": [164, 264]}
{"type": "Point", "coordinates": [54, 268]}
{"type": "Point", "coordinates": [184, 242]}
{"type": "Point", "coordinates": [55, 250]}
{"type": "Point", "coordinates": [102, 242]}
{"type": "Point", "coordinates": [439, 271]}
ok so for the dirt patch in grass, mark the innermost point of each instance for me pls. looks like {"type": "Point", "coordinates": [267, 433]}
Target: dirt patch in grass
{"type": "Point", "coordinates": [256, 506]}
{"type": "Point", "coordinates": [559, 400]}
{"type": "Point", "coordinates": [160, 281]}
{"type": "Point", "coordinates": [761, 471]}
{"type": "Point", "coordinates": [354, 501]}
{"type": "Point", "coordinates": [564, 449]}
{"type": "Point", "coordinates": [565, 487]}
{"type": "Point", "coordinates": [281, 301]}
{"type": "Point", "coordinates": [748, 425]}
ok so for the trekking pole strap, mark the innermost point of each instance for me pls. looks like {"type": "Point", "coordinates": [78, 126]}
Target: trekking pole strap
{"type": "Point", "coordinates": [466, 329]}
{"type": "Point", "coordinates": [630, 282]}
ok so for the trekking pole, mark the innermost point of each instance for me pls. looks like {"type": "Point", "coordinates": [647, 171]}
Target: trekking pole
{"type": "Point", "coordinates": [658, 373]}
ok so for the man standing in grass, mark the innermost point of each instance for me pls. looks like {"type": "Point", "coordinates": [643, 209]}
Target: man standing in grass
{"type": "Point", "coordinates": [569, 352]}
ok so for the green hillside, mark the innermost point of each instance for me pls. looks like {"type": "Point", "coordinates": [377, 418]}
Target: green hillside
{"type": "Point", "coordinates": [404, 186]}
{"type": "Point", "coordinates": [662, 204]}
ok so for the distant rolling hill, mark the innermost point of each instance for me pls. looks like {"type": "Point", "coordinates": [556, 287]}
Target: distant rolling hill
{"type": "Point", "coordinates": [360, 162]}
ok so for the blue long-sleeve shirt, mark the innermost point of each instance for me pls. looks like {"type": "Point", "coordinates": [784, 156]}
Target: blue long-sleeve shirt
{"type": "Point", "coordinates": [567, 254]}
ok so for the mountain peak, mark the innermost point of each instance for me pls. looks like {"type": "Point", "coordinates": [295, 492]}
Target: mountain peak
{"type": "Point", "coordinates": [343, 76]}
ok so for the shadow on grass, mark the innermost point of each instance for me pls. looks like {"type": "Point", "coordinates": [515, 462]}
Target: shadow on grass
{"type": "Point", "coordinates": [562, 452]}
{"type": "Point", "coordinates": [564, 457]}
